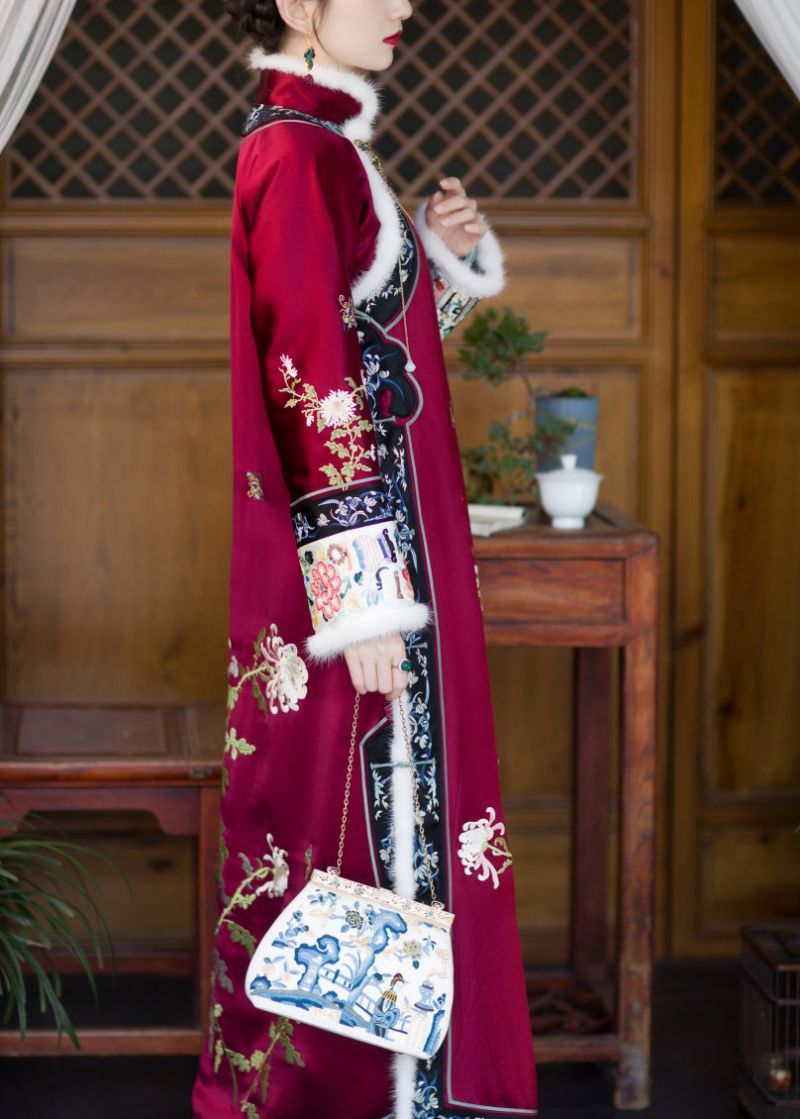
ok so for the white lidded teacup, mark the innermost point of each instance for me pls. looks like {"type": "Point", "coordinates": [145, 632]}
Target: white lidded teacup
{"type": "Point", "coordinates": [569, 494]}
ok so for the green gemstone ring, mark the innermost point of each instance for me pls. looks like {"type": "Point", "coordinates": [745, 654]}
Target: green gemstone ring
{"type": "Point", "coordinates": [405, 665]}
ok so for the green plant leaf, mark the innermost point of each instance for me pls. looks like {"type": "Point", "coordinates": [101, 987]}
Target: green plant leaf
{"type": "Point", "coordinates": [240, 935]}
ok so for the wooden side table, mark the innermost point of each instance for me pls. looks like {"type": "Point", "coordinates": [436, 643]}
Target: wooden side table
{"type": "Point", "coordinates": [163, 760]}
{"type": "Point", "coordinates": [593, 589]}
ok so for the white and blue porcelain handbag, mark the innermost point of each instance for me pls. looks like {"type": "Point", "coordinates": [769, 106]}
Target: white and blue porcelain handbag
{"type": "Point", "coordinates": [359, 960]}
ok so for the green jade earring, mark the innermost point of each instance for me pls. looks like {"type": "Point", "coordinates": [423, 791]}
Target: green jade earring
{"type": "Point", "coordinates": [309, 55]}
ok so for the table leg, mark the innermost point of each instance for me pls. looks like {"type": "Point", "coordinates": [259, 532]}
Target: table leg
{"type": "Point", "coordinates": [590, 813]}
{"type": "Point", "coordinates": [637, 836]}
{"type": "Point", "coordinates": [207, 845]}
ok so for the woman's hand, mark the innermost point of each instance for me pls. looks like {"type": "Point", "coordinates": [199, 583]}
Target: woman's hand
{"type": "Point", "coordinates": [370, 664]}
{"type": "Point", "coordinates": [455, 218]}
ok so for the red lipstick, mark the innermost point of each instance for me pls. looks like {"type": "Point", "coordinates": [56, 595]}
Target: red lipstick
{"type": "Point", "coordinates": [393, 40]}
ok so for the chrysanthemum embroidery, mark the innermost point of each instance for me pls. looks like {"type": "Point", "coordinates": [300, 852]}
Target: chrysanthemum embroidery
{"type": "Point", "coordinates": [343, 414]}
{"type": "Point", "coordinates": [337, 409]}
{"type": "Point", "coordinates": [255, 489]}
{"type": "Point", "coordinates": [478, 840]}
{"type": "Point", "coordinates": [288, 683]}
{"type": "Point", "coordinates": [348, 312]}
{"type": "Point", "coordinates": [278, 680]}
{"type": "Point", "coordinates": [266, 874]}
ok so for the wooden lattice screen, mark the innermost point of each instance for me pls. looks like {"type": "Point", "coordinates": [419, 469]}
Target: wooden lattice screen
{"type": "Point", "coordinates": [758, 119]}
{"type": "Point", "coordinates": [144, 100]}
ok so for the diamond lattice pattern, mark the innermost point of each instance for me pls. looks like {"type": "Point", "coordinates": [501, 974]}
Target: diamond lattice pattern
{"type": "Point", "coordinates": [144, 100]}
{"type": "Point", "coordinates": [758, 119]}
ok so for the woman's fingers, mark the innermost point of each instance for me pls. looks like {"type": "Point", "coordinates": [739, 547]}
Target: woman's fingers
{"type": "Point", "coordinates": [356, 671]}
{"type": "Point", "coordinates": [455, 202]}
{"type": "Point", "coordinates": [373, 666]}
{"type": "Point", "coordinates": [459, 217]}
{"type": "Point", "coordinates": [384, 673]}
{"type": "Point", "coordinates": [370, 674]}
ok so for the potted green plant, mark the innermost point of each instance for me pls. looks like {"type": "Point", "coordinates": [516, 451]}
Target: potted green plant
{"type": "Point", "coordinates": [503, 470]}
{"type": "Point", "coordinates": [46, 908]}
{"type": "Point", "coordinates": [579, 408]}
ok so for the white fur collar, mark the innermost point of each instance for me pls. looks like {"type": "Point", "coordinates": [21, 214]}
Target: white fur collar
{"type": "Point", "coordinates": [359, 127]}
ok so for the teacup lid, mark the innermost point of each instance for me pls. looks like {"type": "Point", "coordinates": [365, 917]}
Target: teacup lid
{"type": "Point", "coordinates": [569, 471]}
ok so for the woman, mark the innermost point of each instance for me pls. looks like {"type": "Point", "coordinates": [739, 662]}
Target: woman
{"type": "Point", "coordinates": [352, 571]}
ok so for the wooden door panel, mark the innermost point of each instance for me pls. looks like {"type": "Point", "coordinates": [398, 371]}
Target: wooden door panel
{"type": "Point", "coordinates": [737, 601]}
{"type": "Point", "coordinates": [150, 289]}
{"type": "Point", "coordinates": [117, 517]}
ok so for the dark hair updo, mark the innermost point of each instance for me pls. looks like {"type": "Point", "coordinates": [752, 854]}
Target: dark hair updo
{"type": "Point", "coordinates": [260, 19]}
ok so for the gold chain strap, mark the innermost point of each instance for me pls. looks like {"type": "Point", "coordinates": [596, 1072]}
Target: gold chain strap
{"type": "Point", "coordinates": [348, 782]}
{"type": "Point", "coordinates": [418, 816]}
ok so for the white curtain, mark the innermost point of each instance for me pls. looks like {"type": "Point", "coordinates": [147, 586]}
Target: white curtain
{"type": "Point", "coordinates": [777, 24]}
{"type": "Point", "coordinates": [30, 31]}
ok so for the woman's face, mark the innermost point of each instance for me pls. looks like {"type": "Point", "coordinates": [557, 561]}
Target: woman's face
{"type": "Point", "coordinates": [360, 34]}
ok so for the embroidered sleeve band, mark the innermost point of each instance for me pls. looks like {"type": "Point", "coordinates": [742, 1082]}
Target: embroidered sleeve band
{"type": "Point", "coordinates": [358, 588]}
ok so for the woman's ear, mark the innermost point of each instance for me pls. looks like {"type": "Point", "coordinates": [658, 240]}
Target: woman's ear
{"type": "Point", "coordinates": [297, 14]}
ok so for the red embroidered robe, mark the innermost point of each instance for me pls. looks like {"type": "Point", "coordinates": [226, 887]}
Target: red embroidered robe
{"type": "Point", "coordinates": [350, 520]}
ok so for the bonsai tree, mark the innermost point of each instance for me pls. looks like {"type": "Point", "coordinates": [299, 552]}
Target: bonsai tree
{"type": "Point", "coordinates": [46, 905]}
{"type": "Point", "coordinates": [504, 468]}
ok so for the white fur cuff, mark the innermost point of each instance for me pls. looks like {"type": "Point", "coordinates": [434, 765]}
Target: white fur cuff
{"type": "Point", "coordinates": [335, 637]}
{"type": "Point", "coordinates": [487, 278]}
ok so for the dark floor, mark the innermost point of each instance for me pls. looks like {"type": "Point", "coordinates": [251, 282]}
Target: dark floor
{"type": "Point", "coordinates": [694, 1047]}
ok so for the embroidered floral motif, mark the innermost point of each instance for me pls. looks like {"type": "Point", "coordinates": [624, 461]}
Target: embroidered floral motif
{"type": "Point", "coordinates": [278, 679]}
{"type": "Point", "coordinates": [348, 573]}
{"type": "Point", "coordinates": [261, 115]}
{"type": "Point", "coordinates": [325, 585]}
{"type": "Point", "coordinates": [344, 413]}
{"type": "Point", "coordinates": [479, 837]}
{"type": "Point", "coordinates": [323, 516]}
{"type": "Point", "coordinates": [269, 875]}
{"type": "Point", "coordinates": [258, 1063]}
{"type": "Point", "coordinates": [452, 306]}
{"type": "Point", "coordinates": [348, 312]}
{"type": "Point", "coordinates": [289, 677]}
{"type": "Point", "coordinates": [337, 408]}
{"type": "Point", "coordinates": [255, 490]}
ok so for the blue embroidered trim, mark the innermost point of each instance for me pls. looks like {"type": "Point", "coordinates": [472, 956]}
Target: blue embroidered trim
{"type": "Point", "coordinates": [318, 517]}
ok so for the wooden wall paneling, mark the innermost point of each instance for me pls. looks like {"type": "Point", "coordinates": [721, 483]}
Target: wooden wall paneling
{"type": "Point", "coordinates": [753, 708]}
{"type": "Point", "coordinates": [737, 543]}
{"type": "Point", "coordinates": [584, 287]}
{"type": "Point", "coordinates": [144, 289]}
{"type": "Point", "coordinates": [756, 288]}
{"type": "Point", "coordinates": [689, 604]}
{"type": "Point", "coordinates": [747, 872]}
{"type": "Point", "coordinates": [658, 96]}
{"type": "Point", "coordinates": [116, 492]}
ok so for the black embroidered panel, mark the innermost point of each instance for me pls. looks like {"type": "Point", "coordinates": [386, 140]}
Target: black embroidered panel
{"type": "Point", "coordinates": [260, 115]}
{"type": "Point", "coordinates": [315, 518]}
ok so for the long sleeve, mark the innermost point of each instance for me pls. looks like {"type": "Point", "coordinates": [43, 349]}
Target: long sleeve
{"type": "Point", "coordinates": [306, 204]}
{"type": "Point", "coordinates": [459, 283]}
